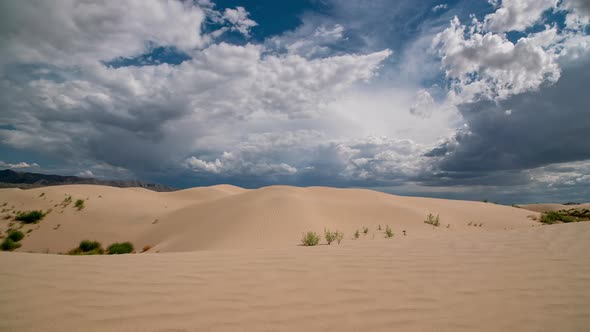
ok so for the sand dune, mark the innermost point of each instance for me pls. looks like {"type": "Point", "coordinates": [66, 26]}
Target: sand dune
{"type": "Point", "coordinates": [546, 207]}
{"type": "Point", "coordinates": [230, 261]}
{"type": "Point", "coordinates": [228, 217]}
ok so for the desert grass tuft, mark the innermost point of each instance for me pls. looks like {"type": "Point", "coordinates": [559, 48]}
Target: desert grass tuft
{"type": "Point", "coordinates": [310, 239]}
{"type": "Point", "coordinates": [29, 217]}
{"type": "Point", "coordinates": [120, 248]}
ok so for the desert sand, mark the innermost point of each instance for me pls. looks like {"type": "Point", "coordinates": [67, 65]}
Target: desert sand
{"type": "Point", "coordinates": [224, 258]}
{"type": "Point", "coordinates": [553, 207]}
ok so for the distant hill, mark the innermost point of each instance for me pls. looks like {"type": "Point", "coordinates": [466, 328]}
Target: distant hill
{"type": "Point", "coordinates": [25, 180]}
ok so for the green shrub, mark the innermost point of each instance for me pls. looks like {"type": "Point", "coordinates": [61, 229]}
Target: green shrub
{"type": "Point", "coordinates": [120, 248]}
{"type": "Point", "coordinates": [79, 204]}
{"type": "Point", "coordinates": [87, 247]}
{"type": "Point", "coordinates": [432, 220]}
{"type": "Point", "coordinates": [310, 239]}
{"type": "Point", "coordinates": [16, 235]}
{"type": "Point", "coordinates": [29, 217]}
{"type": "Point", "coordinates": [9, 245]}
{"type": "Point", "coordinates": [388, 231]}
{"type": "Point", "coordinates": [553, 217]}
{"type": "Point", "coordinates": [339, 237]}
{"type": "Point", "coordinates": [330, 236]}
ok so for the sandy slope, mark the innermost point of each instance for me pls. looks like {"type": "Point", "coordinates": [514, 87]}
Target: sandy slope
{"type": "Point", "coordinates": [528, 279]}
{"type": "Point", "coordinates": [228, 217]}
{"type": "Point", "coordinates": [553, 207]}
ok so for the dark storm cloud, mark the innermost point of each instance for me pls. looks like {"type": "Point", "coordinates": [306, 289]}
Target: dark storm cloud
{"type": "Point", "coordinates": [522, 132]}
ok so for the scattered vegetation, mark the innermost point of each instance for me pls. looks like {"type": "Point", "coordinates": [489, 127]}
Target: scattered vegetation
{"type": "Point", "coordinates": [333, 236]}
{"type": "Point", "coordinates": [9, 245]}
{"type": "Point", "coordinates": [87, 247]}
{"type": "Point", "coordinates": [379, 227]}
{"type": "Point", "coordinates": [29, 217]}
{"type": "Point", "coordinates": [339, 237]}
{"type": "Point", "coordinates": [15, 235]}
{"type": "Point", "coordinates": [12, 240]}
{"type": "Point", "coordinates": [42, 194]}
{"type": "Point", "coordinates": [432, 220]}
{"type": "Point", "coordinates": [310, 239]}
{"type": "Point", "coordinates": [146, 248]}
{"type": "Point", "coordinates": [388, 232]}
{"type": "Point", "coordinates": [79, 204]}
{"type": "Point", "coordinates": [67, 201]}
{"type": "Point", "coordinates": [329, 236]}
{"type": "Point", "coordinates": [357, 234]}
{"type": "Point", "coordinates": [365, 230]}
{"type": "Point", "coordinates": [553, 217]}
{"type": "Point", "coordinates": [120, 248]}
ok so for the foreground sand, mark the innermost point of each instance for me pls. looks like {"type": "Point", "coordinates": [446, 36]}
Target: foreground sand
{"type": "Point", "coordinates": [229, 261]}
{"type": "Point", "coordinates": [533, 279]}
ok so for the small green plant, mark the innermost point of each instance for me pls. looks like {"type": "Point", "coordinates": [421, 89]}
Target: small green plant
{"type": "Point", "coordinates": [330, 236]}
{"type": "Point", "coordinates": [79, 204]}
{"type": "Point", "coordinates": [66, 201]}
{"type": "Point", "coordinates": [365, 230]}
{"type": "Point", "coordinates": [432, 220]}
{"type": "Point", "coordinates": [388, 232]}
{"type": "Point", "coordinates": [310, 239]}
{"type": "Point", "coordinates": [15, 235]}
{"type": "Point", "coordinates": [9, 245]}
{"type": "Point", "coordinates": [357, 234]}
{"type": "Point", "coordinates": [339, 237]}
{"type": "Point", "coordinates": [552, 217]}
{"type": "Point", "coordinates": [87, 247]}
{"type": "Point", "coordinates": [120, 248]}
{"type": "Point", "coordinates": [29, 217]}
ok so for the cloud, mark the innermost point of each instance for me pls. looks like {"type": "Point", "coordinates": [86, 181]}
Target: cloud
{"type": "Point", "coordinates": [239, 20]}
{"type": "Point", "coordinates": [439, 7]}
{"type": "Point", "coordinates": [68, 32]}
{"type": "Point", "coordinates": [517, 15]}
{"type": "Point", "coordinates": [145, 118]}
{"type": "Point", "coordinates": [424, 104]}
{"type": "Point", "coordinates": [489, 65]}
{"type": "Point", "coordinates": [86, 174]}
{"type": "Point", "coordinates": [544, 128]}
{"type": "Point", "coordinates": [309, 41]}
{"type": "Point", "coordinates": [19, 165]}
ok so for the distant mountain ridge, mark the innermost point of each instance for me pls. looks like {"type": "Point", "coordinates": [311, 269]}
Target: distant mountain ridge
{"type": "Point", "coordinates": [25, 180]}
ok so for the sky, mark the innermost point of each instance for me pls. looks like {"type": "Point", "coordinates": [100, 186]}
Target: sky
{"type": "Point", "coordinates": [462, 99]}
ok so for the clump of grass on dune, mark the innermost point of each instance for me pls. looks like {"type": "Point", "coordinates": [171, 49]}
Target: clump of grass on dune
{"type": "Point", "coordinates": [9, 245]}
{"type": "Point", "coordinates": [432, 220]}
{"type": "Point", "coordinates": [29, 217]}
{"type": "Point", "coordinates": [12, 240]}
{"type": "Point", "coordinates": [310, 239]}
{"type": "Point", "coordinates": [120, 248]}
{"type": "Point", "coordinates": [333, 236]}
{"type": "Point", "coordinates": [15, 235]}
{"type": "Point", "coordinates": [87, 247]}
{"type": "Point", "coordinates": [553, 217]}
{"type": "Point", "coordinates": [388, 232]}
{"type": "Point", "coordinates": [329, 236]}
{"type": "Point", "coordinates": [79, 204]}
